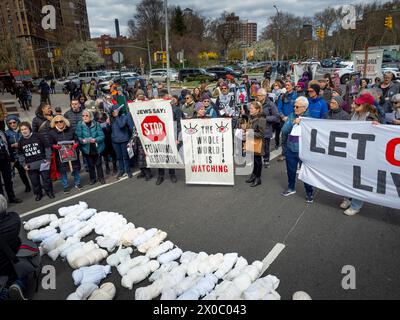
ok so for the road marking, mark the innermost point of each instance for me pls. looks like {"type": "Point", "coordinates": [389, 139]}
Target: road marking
{"type": "Point", "coordinates": [75, 196]}
{"type": "Point", "coordinates": [275, 154]}
{"type": "Point", "coordinates": [272, 255]}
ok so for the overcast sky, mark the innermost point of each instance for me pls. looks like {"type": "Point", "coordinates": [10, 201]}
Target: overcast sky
{"type": "Point", "coordinates": [103, 12]}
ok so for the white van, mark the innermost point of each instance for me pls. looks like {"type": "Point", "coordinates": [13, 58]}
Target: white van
{"type": "Point", "coordinates": [97, 75]}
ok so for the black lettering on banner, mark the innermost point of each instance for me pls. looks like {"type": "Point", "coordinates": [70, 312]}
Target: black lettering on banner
{"type": "Point", "coordinates": [337, 144]}
{"type": "Point", "coordinates": [357, 180]}
{"type": "Point", "coordinates": [313, 145]}
{"type": "Point", "coordinates": [396, 180]}
{"type": "Point", "coordinates": [381, 188]}
{"type": "Point", "coordinates": [362, 143]}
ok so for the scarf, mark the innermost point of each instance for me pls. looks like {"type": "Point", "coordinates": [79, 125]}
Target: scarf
{"type": "Point", "coordinates": [359, 117]}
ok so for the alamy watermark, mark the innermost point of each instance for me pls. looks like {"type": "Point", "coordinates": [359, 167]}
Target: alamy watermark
{"type": "Point", "coordinates": [49, 20]}
{"type": "Point", "coordinates": [350, 17]}
{"type": "Point", "coordinates": [349, 280]}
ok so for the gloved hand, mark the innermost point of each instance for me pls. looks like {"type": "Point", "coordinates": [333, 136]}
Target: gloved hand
{"type": "Point", "coordinates": [75, 146]}
{"type": "Point", "coordinates": [56, 147]}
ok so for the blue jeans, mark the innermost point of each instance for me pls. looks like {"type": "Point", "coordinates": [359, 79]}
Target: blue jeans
{"type": "Point", "coordinates": [292, 162]}
{"type": "Point", "coordinates": [356, 204]}
{"type": "Point", "coordinates": [122, 157]}
{"type": "Point", "coordinates": [75, 174]}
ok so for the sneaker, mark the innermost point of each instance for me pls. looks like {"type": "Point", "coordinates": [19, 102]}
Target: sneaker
{"type": "Point", "coordinates": [281, 158]}
{"type": "Point", "coordinates": [309, 199]}
{"type": "Point", "coordinates": [160, 180]}
{"type": "Point", "coordinates": [351, 212]}
{"type": "Point", "coordinates": [288, 192]}
{"type": "Point", "coordinates": [15, 292]}
{"type": "Point", "coordinates": [130, 175]}
{"type": "Point", "coordinates": [345, 204]}
{"type": "Point", "coordinates": [79, 187]}
{"type": "Point", "coordinates": [66, 190]}
{"type": "Point", "coordinates": [119, 176]}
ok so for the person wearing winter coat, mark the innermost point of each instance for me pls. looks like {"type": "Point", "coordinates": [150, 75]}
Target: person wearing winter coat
{"type": "Point", "coordinates": [44, 92]}
{"type": "Point", "coordinates": [188, 107]}
{"type": "Point", "coordinates": [74, 115]}
{"type": "Point", "coordinates": [121, 133]}
{"type": "Point", "coordinates": [91, 141]}
{"type": "Point", "coordinates": [285, 108]}
{"type": "Point", "coordinates": [34, 154]}
{"type": "Point", "coordinates": [292, 150]}
{"type": "Point", "coordinates": [335, 110]}
{"type": "Point", "coordinates": [13, 135]}
{"type": "Point", "coordinates": [62, 131]}
{"type": "Point", "coordinates": [364, 110]}
{"type": "Point", "coordinates": [3, 116]}
{"type": "Point", "coordinates": [256, 123]}
{"type": "Point", "coordinates": [209, 106]}
{"type": "Point", "coordinates": [317, 106]}
{"type": "Point", "coordinates": [394, 117]}
{"type": "Point", "coordinates": [337, 92]}
{"type": "Point", "coordinates": [6, 158]}
{"type": "Point", "coordinates": [41, 123]}
{"type": "Point", "coordinates": [389, 89]}
{"type": "Point", "coordinates": [225, 103]}
{"type": "Point", "coordinates": [271, 113]}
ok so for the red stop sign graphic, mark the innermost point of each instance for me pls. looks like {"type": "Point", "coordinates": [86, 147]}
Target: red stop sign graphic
{"type": "Point", "coordinates": [153, 128]}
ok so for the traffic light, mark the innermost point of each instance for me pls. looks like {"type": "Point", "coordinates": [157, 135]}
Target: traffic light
{"type": "Point", "coordinates": [321, 33]}
{"type": "Point", "coordinates": [57, 52]}
{"type": "Point", "coordinates": [107, 51]}
{"type": "Point", "coordinates": [164, 57]}
{"type": "Point", "coordinates": [389, 22]}
{"type": "Point", "coordinates": [160, 56]}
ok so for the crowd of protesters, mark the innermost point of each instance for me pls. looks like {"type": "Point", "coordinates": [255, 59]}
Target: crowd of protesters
{"type": "Point", "coordinates": [100, 130]}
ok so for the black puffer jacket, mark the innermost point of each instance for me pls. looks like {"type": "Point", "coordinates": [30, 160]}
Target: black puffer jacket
{"type": "Point", "coordinates": [338, 114]}
{"type": "Point", "coordinates": [10, 225]}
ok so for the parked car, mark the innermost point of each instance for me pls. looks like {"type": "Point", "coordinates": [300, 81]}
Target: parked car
{"type": "Point", "coordinates": [345, 69]}
{"type": "Point", "coordinates": [222, 72]}
{"type": "Point", "coordinates": [194, 72]}
{"type": "Point", "coordinates": [174, 74]}
{"type": "Point", "coordinates": [97, 75]}
{"type": "Point", "coordinates": [126, 82]}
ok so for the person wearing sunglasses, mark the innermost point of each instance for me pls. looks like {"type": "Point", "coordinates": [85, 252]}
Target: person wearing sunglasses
{"type": "Point", "coordinates": [62, 131]}
{"type": "Point", "coordinates": [292, 148]}
{"type": "Point", "coordinates": [211, 111]}
{"type": "Point", "coordinates": [91, 142]}
{"type": "Point", "coordinates": [188, 107]}
{"type": "Point", "coordinates": [394, 117]}
{"type": "Point", "coordinates": [318, 108]}
{"type": "Point", "coordinates": [225, 103]}
{"type": "Point", "coordinates": [13, 135]}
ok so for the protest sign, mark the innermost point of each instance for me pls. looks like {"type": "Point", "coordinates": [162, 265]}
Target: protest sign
{"type": "Point", "coordinates": [208, 151]}
{"type": "Point", "coordinates": [155, 126]}
{"type": "Point", "coordinates": [355, 159]}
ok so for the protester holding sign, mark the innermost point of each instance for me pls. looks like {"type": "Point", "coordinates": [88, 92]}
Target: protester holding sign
{"type": "Point", "coordinates": [257, 123]}
{"type": "Point", "coordinates": [291, 128]}
{"type": "Point", "coordinates": [364, 110]}
{"type": "Point", "coordinates": [91, 140]}
{"type": "Point", "coordinates": [34, 154]}
{"type": "Point", "coordinates": [65, 153]}
{"type": "Point", "coordinates": [188, 107]}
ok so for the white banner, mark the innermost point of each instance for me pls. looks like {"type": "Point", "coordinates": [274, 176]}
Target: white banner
{"type": "Point", "coordinates": [155, 126]}
{"type": "Point", "coordinates": [208, 151]}
{"type": "Point", "coordinates": [355, 159]}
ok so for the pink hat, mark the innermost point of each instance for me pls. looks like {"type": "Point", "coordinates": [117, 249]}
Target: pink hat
{"type": "Point", "coordinates": [365, 98]}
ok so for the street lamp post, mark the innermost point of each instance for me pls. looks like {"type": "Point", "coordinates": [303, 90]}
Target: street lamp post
{"type": "Point", "coordinates": [167, 45]}
{"type": "Point", "coordinates": [277, 37]}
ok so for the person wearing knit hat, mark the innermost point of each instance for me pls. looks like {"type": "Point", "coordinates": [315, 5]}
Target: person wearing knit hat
{"type": "Point", "coordinates": [200, 110]}
{"type": "Point", "coordinates": [140, 94]}
{"type": "Point", "coordinates": [317, 107]}
{"type": "Point", "coordinates": [335, 110]}
{"type": "Point", "coordinates": [300, 87]}
{"type": "Point", "coordinates": [13, 135]}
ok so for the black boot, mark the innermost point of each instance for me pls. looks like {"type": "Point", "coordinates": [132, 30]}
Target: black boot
{"type": "Point", "coordinates": [251, 179]}
{"type": "Point", "coordinates": [148, 174]}
{"type": "Point", "coordinates": [173, 178]}
{"type": "Point", "coordinates": [50, 194]}
{"type": "Point", "coordinates": [256, 182]}
{"type": "Point", "coordinates": [160, 179]}
{"type": "Point", "coordinates": [107, 168]}
{"type": "Point", "coordinates": [115, 168]}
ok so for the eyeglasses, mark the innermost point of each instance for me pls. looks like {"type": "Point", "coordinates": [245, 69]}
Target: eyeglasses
{"type": "Point", "coordinates": [85, 116]}
{"type": "Point", "coordinates": [298, 107]}
{"type": "Point", "coordinates": [224, 88]}
{"type": "Point", "coordinates": [61, 121]}
{"type": "Point", "coordinates": [206, 101]}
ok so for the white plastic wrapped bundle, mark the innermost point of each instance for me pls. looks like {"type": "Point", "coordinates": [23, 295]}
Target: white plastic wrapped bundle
{"type": "Point", "coordinates": [129, 235]}
{"type": "Point", "coordinates": [263, 289]}
{"type": "Point", "coordinates": [241, 263]}
{"type": "Point", "coordinates": [153, 242]}
{"type": "Point", "coordinates": [111, 224]}
{"type": "Point", "coordinates": [226, 290]}
{"type": "Point", "coordinates": [71, 248]}
{"type": "Point", "coordinates": [248, 275]}
{"type": "Point", "coordinates": [150, 292]}
{"type": "Point", "coordinates": [83, 291]}
{"type": "Point", "coordinates": [187, 257]}
{"type": "Point", "coordinates": [227, 265]}
{"type": "Point", "coordinates": [105, 292]}
{"type": "Point", "coordinates": [164, 269]}
{"type": "Point", "coordinates": [107, 243]}
{"type": "Point", "coordinates": [90, 258]}
{"type": "Point", "coordinates": [181, 287]}
{"type": "Point", "coordinates": [74, 228]}
{"type": "Point", "coordinates": [53, 254]}
{"type": "Point", "coordinates": [160, 249]}
{"type": "Point", "coordinates": [64, 211]}
{"type": "Point", "coordinates": [82, 233]}
{"type": "Point", "coordinates": [52, 242]}
{"type": "Point", "coordinates": [120, 256]}
{"type": "Point", "coordinates": [211, 264]}
{"type": "Point", "coordinates": [124, 267]}
{"type": "Point", "coordinates": [86, 214]}
{"type": "Point", "coordinates": [93, 274]}
{"type": "Point", "coordinates": [81, 251]}
{"type": "Point", "coordinates": [205, 285]}
{"type": "Point", "coordinates": [170, 256]}
{"type": "Point", "coordinates": [142, 238]}
{"type": "Point", "coordinates": [39, 235]}
{"type": "Point", "coordinates": [193, 266]}
{"type": "Point", "coordinates": [38, 222]}
{"type": "Point", "coordinates": [139, 273]}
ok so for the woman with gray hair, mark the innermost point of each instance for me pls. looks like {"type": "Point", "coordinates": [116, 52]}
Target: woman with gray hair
{"type": "Point", "coordinates": [91, 140]}
{"type": "Point", "coordinates": [394, 117]}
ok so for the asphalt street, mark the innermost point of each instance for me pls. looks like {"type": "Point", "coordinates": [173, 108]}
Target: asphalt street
{"type": "Point", "coordinates": [319, 240]}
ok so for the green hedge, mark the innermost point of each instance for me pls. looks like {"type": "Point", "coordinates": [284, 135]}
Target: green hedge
{"type": "Point", "coordinates": [198, 78]}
